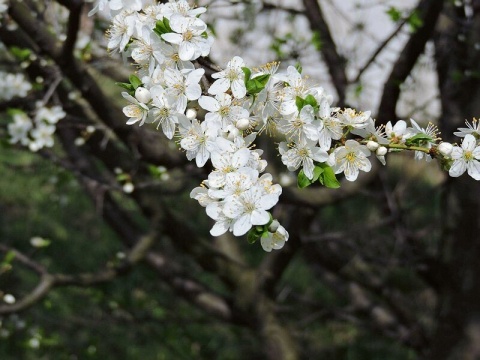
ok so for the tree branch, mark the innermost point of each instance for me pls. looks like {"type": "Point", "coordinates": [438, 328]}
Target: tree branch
{"type": "Point", "coordinates": [429, 11]}
{"type": "Point", "coordinates": [335, 62]}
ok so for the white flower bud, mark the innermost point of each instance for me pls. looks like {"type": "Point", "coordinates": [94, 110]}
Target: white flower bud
{"type": "Point", "coordinates": [191, 114]}
{"type": "Point", "coordinates": [79, 141]}
{"type": "Point", "coordinates": [242, 124]}
{"type": "Point", "coordinates": [9, 299]}
{"type": "Point", "coordinates": [39, 242]}
{"type": "Point", "coordinates": [382, 151]}
{"type": "Point", "coordinates": [273, 226]}
{"type": "Point", "coordinates": [445, 148]}
{"type": "Point", "coordinates": [128, 188]}
{"type": "Point", "coordinates": [372, 145]}
{"type": "Point", "coordinates": [143, 95]}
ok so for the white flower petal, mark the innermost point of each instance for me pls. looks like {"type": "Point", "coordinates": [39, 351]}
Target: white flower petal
{"type": "Point", "coordinates": [242, 225]}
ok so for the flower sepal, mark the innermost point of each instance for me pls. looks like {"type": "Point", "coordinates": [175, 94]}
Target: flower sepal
{"type": "Point", "coordinates": [259, 231]}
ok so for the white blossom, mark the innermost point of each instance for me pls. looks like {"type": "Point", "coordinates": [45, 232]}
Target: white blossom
{"type": "Point", "coordinates": [198, 139]}
{"type": "Point", "coordinates": [188, 36]}
{"type": "Point", "coordinates": [232, 78]}
{"type": "Point", "coordinates": [248, 209]}
{"type": "Point", "coordinates": [351, 158]}
{"type": "Point", "coordinates": [303, 153]}
{"type": "Point", "coordinates": [473, 128]}
{"type": "Point", "coordinates": [276, 240]}
{"type": "Point", "coordinates": [465, 158]}
{"type": "Point", "coordinates": [136, 111]}
{"type": "Point", "coordinates": [222, 109]}
{"type": "Point", "coordinates": [300, 126]}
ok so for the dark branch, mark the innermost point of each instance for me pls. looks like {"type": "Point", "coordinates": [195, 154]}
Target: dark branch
{"type": "Point", "coordinates": [429, 11]}
{"type": "Point", "coordinates": [335, 62]}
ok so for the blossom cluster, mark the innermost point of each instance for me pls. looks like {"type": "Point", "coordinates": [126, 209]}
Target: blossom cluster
{"type": "Point", "coordinates": [36, 132]}
{"type": "Point", "coordinates": [13, 85]}
{"type": "Point", "coordinates": [220, 123]}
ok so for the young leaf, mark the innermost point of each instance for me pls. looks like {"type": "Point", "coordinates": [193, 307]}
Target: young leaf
{"type": "Point", "coordinates": [252, 236]}
{"type": "Point", "coordinates": [19, 53]}
{"type": "Point", "coordinates": [299, 102]}
{"type": "Point", "coordinates": [135, 81]}
{"type": "Point", "coordinates": [302, 180]}
{"type": "Point", "coordinates": [414, 21]}
{"type": "Point", "coordinates": [310, 100]}
{"type": "Point", "coordinates": [394, 14]}
{"type": "Point", "coordinates": [247, 72]}
{"type": "Point", "coordinates": [417, 139]}
{"type": "Point", "coordinates": [328, 178]}
{"type": "Point", "coordinates": [162, 27]}
{"type": "Point", "coordinates": [257, 84]}
{"type": "Point", "coordinates": [126, 86]}
{"type": "Point", "coordinates": [317, 171]}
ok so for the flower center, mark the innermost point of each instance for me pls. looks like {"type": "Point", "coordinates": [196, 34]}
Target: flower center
{"type": "Point", "coordinates": [187, 36]}
{"type": "Point", "coordinates": [232, 75]}
{"type": "Point", "coordinates": [351, 157]}
{"type": "Point", "coordinates": [468, 155]}
{"type": "Point", "coordinates": [224, 111]}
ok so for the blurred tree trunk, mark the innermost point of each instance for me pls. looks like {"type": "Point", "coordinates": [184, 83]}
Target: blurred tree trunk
{"type": "Point", "coordinates": [458, 331]}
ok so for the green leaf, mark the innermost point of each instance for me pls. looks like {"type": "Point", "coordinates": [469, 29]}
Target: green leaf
{"type": "Point", "coordinates": [298, 67]}
{"type": "Point", "coordinates": [162, 27]}
{"type": "Point", "coordinates": [299, 102]}
{"type": "Point", "coordinates": [317, 40]}
{"type": "Point", "coordinates": [257, 84]}
{"type": "Point", "coordinates": [358, 90]}
{"type": "Point", "coordinates": [155, 170]}
{"type": "Point", "coordinates": [317, 171]}
{"type": "Point", "coordinates": [247, 72]}
{"type": "Point", "coordinates": [135, 81]}
{"type": "Point", "coordinates": [19, 53]}
{"type": "Point", "coordinates": [9, 256]}
{"type": "Point", "coordinates": [252, 236]}
{"type": "Point", "coordinates": [310, 100]}
{"type": "Point", "coordinates": [14, 111]}
{"type": "Point", "coordinates": [417, 139]}
{"type": "Point", "coordinates": [302, 180]}
{"type": "Point", "coordinates": [414, 21]}
{"type": "Point", "coordinates": [126, 86]}
{"type": "Point", "coordinates": [394, 13]}
{"type": "Point", "coordinates": [328, 178]}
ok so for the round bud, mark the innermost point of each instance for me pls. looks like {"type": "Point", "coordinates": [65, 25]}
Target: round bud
{"type": "Point", "coordinates": [445, 148]}
{"type": "Point", "coordinates": [381, 151]}
{"type": "Point", "coordinates": [372, 145]}
{"type": "Point", "coordinates": [128, 188]}
{"type": "Point", "coordinates": [191, 114]}
{"type": "Point", "coordinates": [273, 226]}
{"type": "Point", "coordinates": [143, 95]}
{"type": "Point", "coordinates": [242, 124]}
{"type": "Point", "coordinates": [79, 141]}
